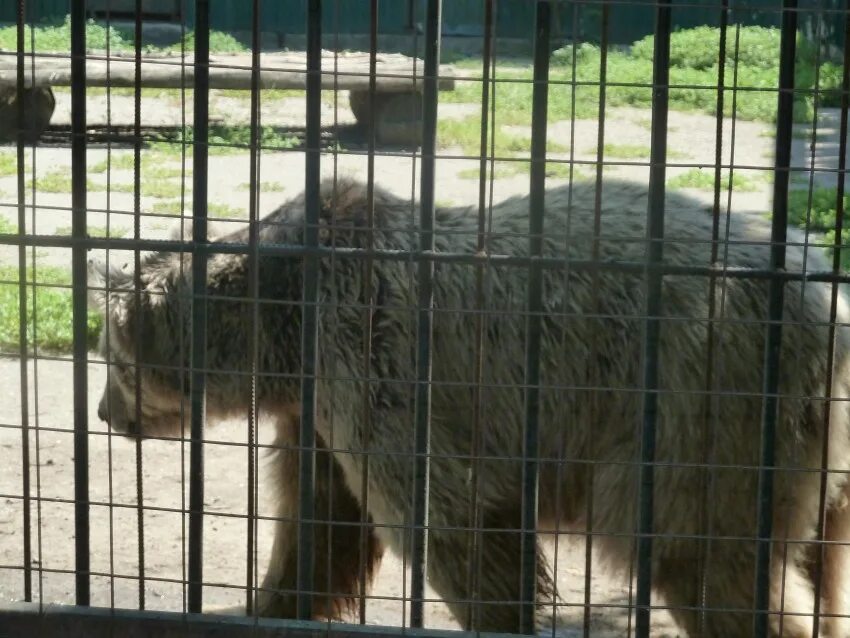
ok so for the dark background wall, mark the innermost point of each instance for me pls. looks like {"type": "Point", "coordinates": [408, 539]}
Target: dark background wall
{"type": "Point", "coordinates": [628, 21]}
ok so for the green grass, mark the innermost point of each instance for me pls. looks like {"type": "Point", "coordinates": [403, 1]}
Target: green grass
{"type": "Point", "coordinates": [58, 181]}
{"type": "Point", "coordinates": [267, 95]}
{"type": "Point", "coordinates": [52, 311]}
{"type": "Point", "coordinates": [159, 189]}
{"type": "Point", "coordinates": [8, 164]}
{"type": "Point", "coordinates": [7, 226]}
{"type": "Point", "coordinates": [225, 211]}
{"type": "Point", "coordinates": [226, 140]}
{"type": "Point", "coordinates": [704, 180]}
{"type": "Point", "coordinates": [94, 231]}
{"type": "Point", "coordinates": [510, 169]}
{"type": "Point", "coordinates": [821, 217]}
{"type": "Point", "coordinates": [624, 151]}
{"type": "Point", "coordinates": [466, 134]}
{"type": "Point", "coordinates": [56, 37]}
{"type": "Point", "coordinates": [169, 207]}
{"type": "Point", "coordinates": [694, 63]}
{"type": "Point", "coordinates": [264, 186]}
{"type": "Point", "coordinates": [122, 162]}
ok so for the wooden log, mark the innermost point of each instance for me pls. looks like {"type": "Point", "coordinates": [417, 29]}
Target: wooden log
{"type": "Point", "coordinates": [398, 116]}
{"type": "Point", "coordinates": [343, 71]}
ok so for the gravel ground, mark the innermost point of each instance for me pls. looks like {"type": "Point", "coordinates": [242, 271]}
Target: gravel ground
{"type": "Point", "coordinates": [115, 548]}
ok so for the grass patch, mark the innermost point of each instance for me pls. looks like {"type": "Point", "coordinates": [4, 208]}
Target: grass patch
{"type": "Point", "coordinates": [225, 211]}
{"type": "Point", "coordinates": [510, 169]}
{"type": "Point", "coordinates": [704, 180]}
{"type": "Point", "coordinates": [224, 140]}
{"type": "Point", "coordinates": [693, 63]}
{"type": "Point", "coordinates": [625, 151]}
{"type": "Point", "coordinates": [821, 217]}
{"type": "Point", "coordinates": [266, 96]}
{"type": "Point", "coordinates": [8, 164]}
{"type": "Point", "coordinates": [159, 189]}
{"type": "Point", "coordinates": [58, 181]}
{"type": "Point", "coordinates": [94, 231]}
{"type": "Point", "coordinates": [52, 311]}
{"type": "Point", "coordinates": [466, 134]}
{"type": "Point", "coordinates": [7, 226]}
{"type": "Point", "coordinates": [264, 186]}
{"type": "Point", "coordinates": [122, 162]}
{"type": "Point", "coordinates": [169, 207]}
{"type": "Point", "coordinates": [632, 151]}
{"type": "Point", "coordinates": [56, 37]}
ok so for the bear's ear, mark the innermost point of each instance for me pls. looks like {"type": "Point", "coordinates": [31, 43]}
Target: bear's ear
{"type": "Point", "coordinates": [103, 285]}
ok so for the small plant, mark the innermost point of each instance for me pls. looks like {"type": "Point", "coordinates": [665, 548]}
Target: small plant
{"type": "Point", "coordinates": [7, 226]}
{"type": "Point", "coordinates": [704, 180]}
{"type": "Point", "coordinates": [559, 170]}
{"type": "Point", "coordinates": [149, 188]}
{"type": "Point", "coordinates": [264, 187]}
{"type": "Point", "coordinates": [94, 231]}
{"type": "Point", "coordinates": [466, 134]}
{"type": "Point", "coordinates": [225, 211]}
{"type": "Point", "coordinates": [173, 207]}
{"type": "Point", "coordinates": [57, 181]}
{"type": "Point", "coordinates": [49, 310]}
{"type": "Point", "coordinates": [118, 162]}
{"type": "Point", "coordinates": [57, 38]}
{"type": "Point", "coordinates": [8, 164]}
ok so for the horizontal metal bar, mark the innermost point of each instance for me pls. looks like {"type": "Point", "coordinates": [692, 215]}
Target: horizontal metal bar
{"type": "Point", "coordinates": [30, 619]}
{"type": "Point", "coordinates": [280, 250]}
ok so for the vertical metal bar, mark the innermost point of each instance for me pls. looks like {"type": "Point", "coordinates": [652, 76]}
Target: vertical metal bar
{"type": "Point", "coordinates": [424, 330]}
{"type": "Point", "coordinates": [310, 313]}
{"type": "Point", "coordinates": [79, 295]}
{"type": "Point", "coordinates": [707, 433]}
{"type": "Point", "coordinates": [199, 305]}
{"type": "Point", "coordinates": [776, 293]}
{"type": "Point", "coordinates": [537, 200]}
{"type": "Point", "coordinates": [254, 293]}
{"type": "Point", "coordinates": [476, 443]}
{"type": "Point", "coordinates": [655, 250]}
{"type": "Point", "coordinates": [594, 346]}
{"type": "Point", "coordinates": [833, 313]}
{"type": "Point", "coordinates": [367, 318]}
{"type": "Point", "coordinates": [22, 309]}
{"type": "Point", "coordinates": [137, 292]}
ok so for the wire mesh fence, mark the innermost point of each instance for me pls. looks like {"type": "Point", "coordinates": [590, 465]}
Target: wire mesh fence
{"type": "Point", "coordinates": [541, 336]}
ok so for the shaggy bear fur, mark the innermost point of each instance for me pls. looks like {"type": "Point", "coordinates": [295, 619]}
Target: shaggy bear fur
{"type": "Point", "coordinates": [708, 443]}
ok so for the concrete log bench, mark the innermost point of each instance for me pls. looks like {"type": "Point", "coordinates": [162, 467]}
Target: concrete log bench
{"type": "Point", "coordinates": [398, 85]}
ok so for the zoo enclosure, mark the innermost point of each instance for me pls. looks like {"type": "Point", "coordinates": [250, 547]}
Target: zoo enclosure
{"type": "Point", "coordinates": [201, 245]}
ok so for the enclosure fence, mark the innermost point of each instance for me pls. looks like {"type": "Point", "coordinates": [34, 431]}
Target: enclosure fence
{"type": "Point", "coordinates": [36, 610]}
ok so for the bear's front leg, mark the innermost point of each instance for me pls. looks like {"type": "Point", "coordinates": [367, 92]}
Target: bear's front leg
{"type": "Point", "coordinates": [337, 537]}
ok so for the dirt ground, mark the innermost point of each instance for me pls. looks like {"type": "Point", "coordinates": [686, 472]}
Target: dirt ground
{"type": "Point", "coordinates": [115, 546]}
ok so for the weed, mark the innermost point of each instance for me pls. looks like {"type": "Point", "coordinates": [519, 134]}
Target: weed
{"type": "Point", "coordinates": [225, 140]}
{"type": "Point", "coordinates": [7, 226]}
{"type": "Point", "coordinates": [466, 133]}
{"type": "Point", "coordinates": [51, 305]}
{"type": "Point", "coordinates": [8, 164]}
{"type": "Point", "coordinates": [117, 162]}
{"type": "Point", "coordinates": [94, 231]}
{"type": "Point", "coordinates": [225, 211]}
{"type": "Point", "coordinates": [58, 181]}
{"type": "Point", "coordinates": [57, 38]}
{"type": "Point", "coordinates": [559, 170]}
{"type": "Point", "coordinates": [264, 187]}
{"type": "Point", "coordinates": [704, 180]}
{"type": "Point", "coordinates": [174, 207]}
{"type": "Point", "coordinates": [156, 188]}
